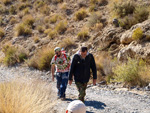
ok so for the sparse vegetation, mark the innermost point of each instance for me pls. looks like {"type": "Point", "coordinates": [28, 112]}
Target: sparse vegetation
{"type": "Point", "coordinates": [129, 73]}
{"type": "Point", "coordinates": [40, 29]}
{"type": "Point", "coordinates": [45, 9]}
{"type": "Point", "coordinates": [54, 18]}
{"type": "Point", "coordinates": [22, 29]}
{"type": "Point", "coordinates": [83, 35]}
{"type": "Point", "coordinates": [129, 13]}
{"type": "Point", "coordinates": [81, 14]}
{"type": "Point", "coordinates": [94, 18]}
{"type": "Point", "coordinates": [13, 55]}
{"type": "Point", "coordinates": [6, 2]}
{"type": "Point", "coordinates": [12, 10]}
{"type": "Point", "coordinates": [61, 27]}
{"type": "Point", "coordinates": [2, 33]}
{"type": "Point", "coordinates": [137, 34]}
{"type": "Point", "coordinates": [36, 39]}
{"type": "Point", "coordinates": [28, 20]}
{"type": "Point", "coordinates": [123, 9]}
{"type": "Point", "coordinates": [13, 20]}
{"type": "Point", "coordinates": [23, 6]}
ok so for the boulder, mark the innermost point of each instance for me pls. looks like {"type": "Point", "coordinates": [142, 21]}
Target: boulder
{"type": "Point", "coordinates": [135, 49]}
{"type": "Point", "coordinates": [126, 37]}
{"type": "Point", "coordinates": [109, 36]}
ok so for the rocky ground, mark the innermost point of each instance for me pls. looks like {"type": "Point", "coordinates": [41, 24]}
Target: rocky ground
{"type": "Point", "coordinates": [99, 99]}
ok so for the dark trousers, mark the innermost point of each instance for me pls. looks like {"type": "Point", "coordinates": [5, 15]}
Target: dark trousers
{"type": "Point", "coordinates": [62, 81]}
{"type": "Point", "coordinates": [82, 90]}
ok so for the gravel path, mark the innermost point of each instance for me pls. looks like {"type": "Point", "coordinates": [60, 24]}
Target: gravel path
{"type": "Point", "coordinates": [99, 99]}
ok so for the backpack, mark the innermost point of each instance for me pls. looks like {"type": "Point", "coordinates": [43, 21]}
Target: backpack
{"type": "Point", "coordinates": [63, 54]}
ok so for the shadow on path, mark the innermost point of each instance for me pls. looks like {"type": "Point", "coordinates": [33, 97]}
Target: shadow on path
{"type": "Point", "coordinates": [95, 104]}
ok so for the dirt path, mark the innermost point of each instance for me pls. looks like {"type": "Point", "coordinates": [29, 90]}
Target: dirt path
{"type": "Point", "coordinates": [99, 99]}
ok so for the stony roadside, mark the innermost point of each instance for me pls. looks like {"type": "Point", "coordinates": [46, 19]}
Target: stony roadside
{"type": "Point", "coordinates": [99, 99]}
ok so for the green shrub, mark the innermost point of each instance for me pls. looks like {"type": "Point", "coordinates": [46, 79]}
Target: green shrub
{"type": "Point", "coordinates": [124, 8]}
{"type": "Point", "coordinates": [61, 27]}
{"type": "Point", "coordinates": [127, 22]}
{"type": "Point", "coordinates": [22, 56]}
{"type": "Point", "coordinates": [137, 34]}
{"type": "Point", "coordinates": [13, 55]}
{"type": "Point", "coordinates": [81, 14]}
{"type": "Point", "coordinates": [130, 73]}
{"type": "Point", "coordinates": [22, 29]}
{"type": "Point", "coordinates": [2, 33]}
{"type": "Point", "coordinates": [141, 14]}
{"type": "Point", "coordinates": [10, 55]}
{"type": "Point", "coordinates": [12, 10]}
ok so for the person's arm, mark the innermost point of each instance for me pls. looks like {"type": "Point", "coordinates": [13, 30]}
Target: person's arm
{"type": "Point", "coordinates": [53, 71]}
{"type": "Point", "coordinates": [71, 72]}
{"type": "Point", "coordinates": [53, 67]}
{"type": "Point", "coordinates": [94, 70]}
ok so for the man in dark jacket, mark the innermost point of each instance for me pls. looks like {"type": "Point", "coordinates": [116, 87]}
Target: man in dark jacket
{"type": "Point", "coordinates": [81, 64]}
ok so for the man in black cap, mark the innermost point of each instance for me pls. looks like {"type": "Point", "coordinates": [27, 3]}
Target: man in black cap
{"type": "Point", "coordinates": [81, 64]}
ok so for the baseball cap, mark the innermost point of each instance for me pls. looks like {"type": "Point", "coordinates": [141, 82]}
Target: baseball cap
{"type": "Point", "coordinates": [77, 106]}
{"type": "Point", "coordinates": [57, 49]}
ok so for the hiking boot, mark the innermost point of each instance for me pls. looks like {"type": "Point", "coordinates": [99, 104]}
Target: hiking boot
{"type": "Point", "coordinates": [63, 98]}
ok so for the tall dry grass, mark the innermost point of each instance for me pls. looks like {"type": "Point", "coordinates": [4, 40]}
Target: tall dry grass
{"type": "Point", "coordinates": [41, 60]}
{"type": "Point", "coordinates": [20, 96]}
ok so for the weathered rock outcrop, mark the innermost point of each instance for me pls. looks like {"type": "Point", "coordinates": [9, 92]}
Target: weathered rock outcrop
{"type": "Point", "coordinates": [139, 48]}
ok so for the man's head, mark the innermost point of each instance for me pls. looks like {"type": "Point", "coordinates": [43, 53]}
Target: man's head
{"type": "Point", "coordinates": [57, 51]}
{"type": "Point", "coordinates": [76, 106]}
{"type": "Point", "coordinates": [83, 51]}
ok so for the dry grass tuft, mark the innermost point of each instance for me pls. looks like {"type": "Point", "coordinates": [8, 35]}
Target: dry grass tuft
{"type": "Point", "coordinates": [81, 14]}
{"type": "Point", "coordinates": [61, 27]}
{"type": "Point", "coordinates": [6, 2]}
{"type": "Point", "coordinates": [2, 33]}
{"type": "Point", "coordinates": [28, 20]}
{"type": "Point", "coordinates": [42, 59]}
{"type": "Point", "coordinates": [24, 96]}
{"type": "Point", "coordinates": [67, 43]}
{"type": "Point", "coordinates": [83, 35]}
{"type": "Point", "coordinates": [22, 29]}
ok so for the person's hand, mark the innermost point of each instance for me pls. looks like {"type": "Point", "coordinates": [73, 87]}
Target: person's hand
{"type": "Point", "coordinates": [70, 82]}
{"type": "Point", "coordinates": [94, 82]}
{"type": "Point", "coordinates": [53, 78]}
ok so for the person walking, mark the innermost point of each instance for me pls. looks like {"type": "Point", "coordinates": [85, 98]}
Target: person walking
{"type": "Point", "coordinates": [81, 64]}
{"type": "Point", "coordinates": [60, 66]}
